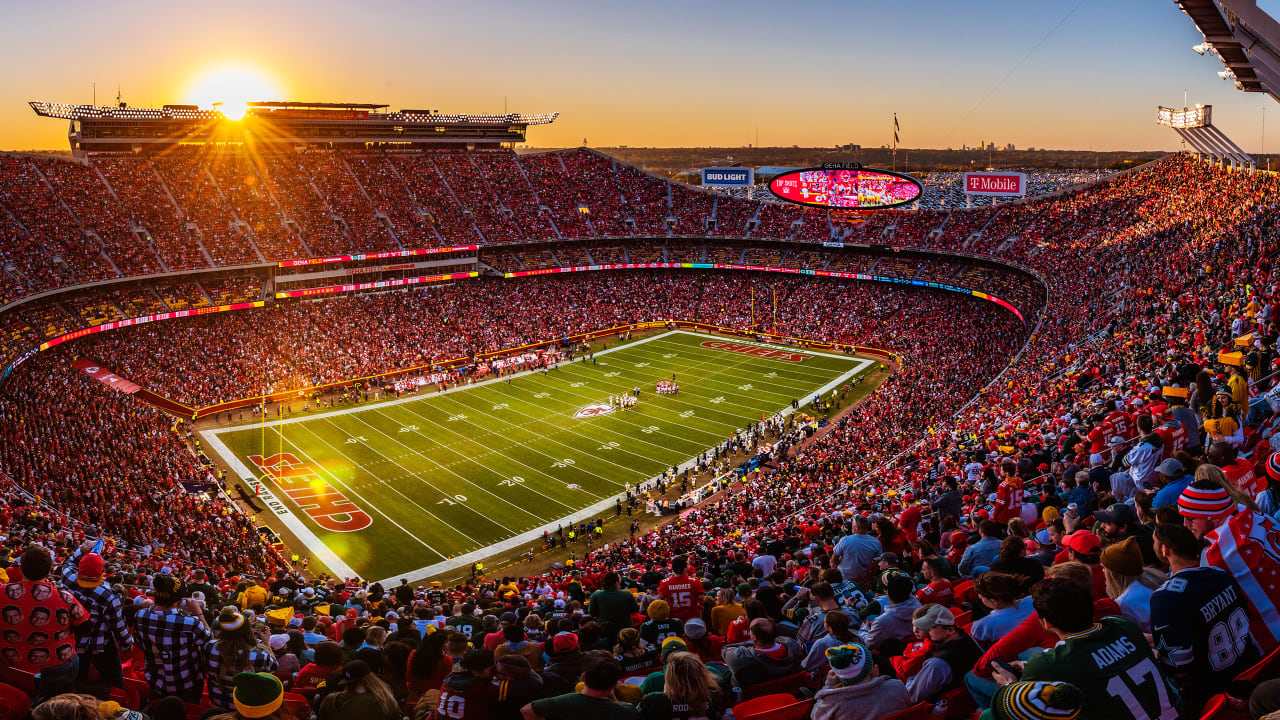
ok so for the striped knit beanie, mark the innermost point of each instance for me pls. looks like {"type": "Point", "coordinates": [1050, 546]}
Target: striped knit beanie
{"type": "Point", "coordinates": [1040, 700]}
{"type": "Point", "coordinates": [1273, 466]}
{"type": "Point", "coordinates": [1204, 499]}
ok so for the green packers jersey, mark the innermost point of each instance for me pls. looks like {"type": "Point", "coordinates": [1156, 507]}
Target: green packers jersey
{"type": "Point", "coordinates": [1115, 667]}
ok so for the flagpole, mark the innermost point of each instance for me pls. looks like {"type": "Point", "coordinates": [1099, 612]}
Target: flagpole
{"type": "Point", "coordinates": [895, 141]}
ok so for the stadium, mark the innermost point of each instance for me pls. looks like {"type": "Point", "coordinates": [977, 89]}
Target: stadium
{"type": "Point", "coordinates": [324, 409]}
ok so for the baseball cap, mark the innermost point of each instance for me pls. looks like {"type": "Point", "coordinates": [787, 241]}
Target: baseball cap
{"type": "Point", "coordinates": [564, 642]}
{"type": "Point", "coordinates": [933, 616]}
{"type": "Point", "coordinates": [1118, 513]}
{"type": "Point", "coordinates": [89, 571]}
{"type": "Point", "coordinates": [889, 557]}
{"type": "Point", "coordinates": [1083, 542]}
{"type": "Point", "coordinates": [1042, 537]}
{"type": "Point", "coordinates": [1170, 468]}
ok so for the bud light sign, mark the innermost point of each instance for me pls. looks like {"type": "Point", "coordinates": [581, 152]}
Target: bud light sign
{"type": "Point", "coordinates": [728, 177]}
{"type": "Point", "coordinates": [1010, 184]}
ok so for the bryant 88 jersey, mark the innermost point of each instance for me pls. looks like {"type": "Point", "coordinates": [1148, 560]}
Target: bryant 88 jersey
{"type": "Point", "coordinates": [1200, 626]}
{"type": "Point", "coordinates": [1115, 667]}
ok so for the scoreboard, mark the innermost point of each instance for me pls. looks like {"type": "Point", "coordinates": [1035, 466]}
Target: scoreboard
{"type": "Point", "coordinates": [842, 186]}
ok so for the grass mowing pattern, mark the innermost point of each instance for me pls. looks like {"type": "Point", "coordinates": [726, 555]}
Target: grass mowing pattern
{"type": "Point", "coordinates": [449, 473]}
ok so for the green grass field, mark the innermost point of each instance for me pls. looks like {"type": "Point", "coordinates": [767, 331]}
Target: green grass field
{"type": "Point", "coordinates": [418, 486]}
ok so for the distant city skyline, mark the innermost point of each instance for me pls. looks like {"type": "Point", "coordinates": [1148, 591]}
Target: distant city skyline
{"type": "Point", "coordinates": [1081, 74]}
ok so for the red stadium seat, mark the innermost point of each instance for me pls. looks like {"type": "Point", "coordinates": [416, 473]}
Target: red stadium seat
{"type": "Point", "coordinates": [963, 592]}
{"type": "Point", "coordinates": [14, 703]}
{"type": "Point", "coordinates": [781, 706]}
{"type": "Point", "coordinates": [1222, 707]}
{"type": "Point", "coordinates": [919, 711]}
{"type": "Point", "coordinates": [1265, 669]}
{"type": "Point", "coordinates": [298, 704]}
{"type": "Point", "coordinates": [21, 679]}
{"type": "Point", "coordinates": [788, 684]}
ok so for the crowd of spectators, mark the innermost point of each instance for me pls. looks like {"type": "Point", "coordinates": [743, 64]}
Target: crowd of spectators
{"type": "Point", "coordinates": [1069, 517]}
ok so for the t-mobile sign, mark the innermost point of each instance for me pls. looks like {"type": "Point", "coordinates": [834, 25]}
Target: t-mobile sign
{"type": "Point", "coordinates": [1010, 184]}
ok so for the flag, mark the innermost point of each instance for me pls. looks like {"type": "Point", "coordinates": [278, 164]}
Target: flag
{"type": "Point", "coordinates": [1248, 547]}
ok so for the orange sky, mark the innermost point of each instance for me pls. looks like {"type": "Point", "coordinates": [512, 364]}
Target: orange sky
{"type": "Point", "coordinates": [658, 73]}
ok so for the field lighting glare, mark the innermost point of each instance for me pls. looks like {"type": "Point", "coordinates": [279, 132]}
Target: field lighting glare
{"type": "Point", "coordinates": [1226, 75]}
{"type": "Point", "coordinates": [1201, 48]}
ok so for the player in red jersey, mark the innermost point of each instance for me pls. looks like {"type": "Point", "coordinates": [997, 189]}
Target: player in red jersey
{"type": "Point", "coordinates": [682, 593]}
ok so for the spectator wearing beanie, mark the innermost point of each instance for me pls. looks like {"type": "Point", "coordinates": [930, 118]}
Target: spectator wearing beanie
{"type": "Point", "coordinates": [1128, 582]}
{"type": "Point", "coordinates": [633, 652]}
{"type": "Point", "coordinates": [700, 642]}
{"type": "Point", "coordinates": [1243, 542]}
{"type": "Point", "coordinates": [174, 635]}
{"type": "Point", "coordinates": [653, 683]}
{"type": "Point", "coordinates": [257, 695]}
{"type": "Point", "coordinates": [855, 690]}
{"type": "Point", "coordinates": [660, 624]}
{"type": "Point", "coordinates": [1035, 701]}
{"type": "Point", "coordinates": [517, 685]}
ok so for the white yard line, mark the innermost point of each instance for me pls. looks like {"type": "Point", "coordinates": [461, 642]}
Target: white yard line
{"type": "Point", "coordinates": [331, 560]}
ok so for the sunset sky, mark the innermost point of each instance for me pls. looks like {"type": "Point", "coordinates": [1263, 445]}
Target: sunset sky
{"type": "Point", "coordinates": [657, 73]}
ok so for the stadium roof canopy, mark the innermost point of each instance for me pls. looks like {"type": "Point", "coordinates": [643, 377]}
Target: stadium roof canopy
{"type": "Point", "coordinates": [1244, 37]}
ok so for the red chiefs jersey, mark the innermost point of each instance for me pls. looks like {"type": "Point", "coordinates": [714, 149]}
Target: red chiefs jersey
{"type": "Point", "coordinates": [1175, 438]}
{"type": "Point", "coordinates": [1009, 500]}
{"type": "Point", "coordinates": [1119, 424]}
{"type": "Point", "coordinates": [1241, 474]}
{"type": "Point", "coordinates": [684, 595]}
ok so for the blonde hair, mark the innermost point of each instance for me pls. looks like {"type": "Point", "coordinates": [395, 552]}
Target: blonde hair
{"type": "Point", "coordinates": [1214, 474]}
{"type": "Point", "coordinates": [69, 706]}
{"type": "Point", "coordinates": [381, 692]}
{"type": "Point", "coordinates": [1150, 577]}
{"type": "Point", "coordinates": [688, 681]}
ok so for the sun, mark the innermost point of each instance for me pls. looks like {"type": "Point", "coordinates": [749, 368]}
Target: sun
{"type": "Point", "coordinates": [231, 87]}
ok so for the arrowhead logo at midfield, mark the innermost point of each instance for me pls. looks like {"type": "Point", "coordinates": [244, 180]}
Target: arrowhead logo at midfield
{"type": "Point", "coordinates": [593, 410]}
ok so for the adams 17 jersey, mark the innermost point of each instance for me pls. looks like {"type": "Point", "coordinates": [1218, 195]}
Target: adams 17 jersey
{"type": "Point", "coordinates": [1114, 665]}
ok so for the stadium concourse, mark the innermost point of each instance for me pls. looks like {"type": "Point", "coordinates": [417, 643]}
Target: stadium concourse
{"type": "Point", "coordinates": [1087, 496]}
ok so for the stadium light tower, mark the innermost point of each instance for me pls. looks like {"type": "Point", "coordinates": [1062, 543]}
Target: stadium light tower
{"type": "Point", "coordinates": [1195, 127]}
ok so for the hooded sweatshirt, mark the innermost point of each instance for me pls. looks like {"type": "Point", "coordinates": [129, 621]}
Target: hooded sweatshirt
{"type": "Point", "coordinates": [875, 698]}
{"type": "Point", "coordinates": [751, 665]}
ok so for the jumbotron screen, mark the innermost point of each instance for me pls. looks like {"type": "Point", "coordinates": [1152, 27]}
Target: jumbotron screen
{"type": "Point", "coordinates": [849, 189]}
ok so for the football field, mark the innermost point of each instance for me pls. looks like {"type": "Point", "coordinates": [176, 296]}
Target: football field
{"type": "Point", "coordinates": [426, 483]}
